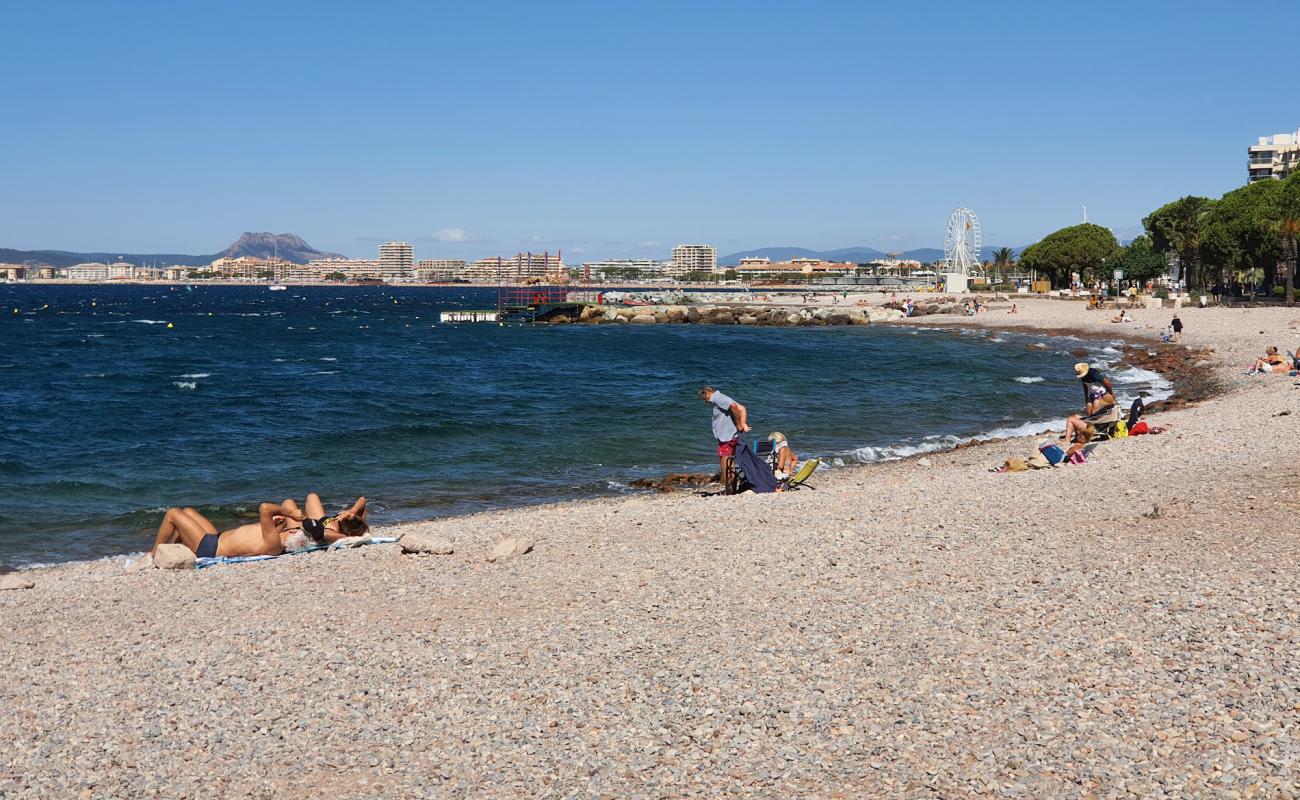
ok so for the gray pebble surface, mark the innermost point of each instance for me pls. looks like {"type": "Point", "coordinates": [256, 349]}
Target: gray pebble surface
{"type": "Point", "coordinates": [905, 630]}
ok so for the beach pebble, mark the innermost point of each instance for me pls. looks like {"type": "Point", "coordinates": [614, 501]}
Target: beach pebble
{"type": "Point", "coordinates": [173, 556]}
{"type": "Point", "coordinates": [425, 544]}
{"type": "Point", "coordinates": [15, 580]}
{"type": "Point", "coordinates": [509, 548]}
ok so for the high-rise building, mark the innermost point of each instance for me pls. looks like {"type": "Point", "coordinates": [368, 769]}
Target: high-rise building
{"type": "Point", "coordinates": [520, 267]}
{"type": "Point", "coordinates": [396, 260]}
{"type": "Point", "coordinates": [642, 268]}
{"type": "Point", "coordinates": [694, 258]}
{"type": "Point", "coordinates": [1273, 157]}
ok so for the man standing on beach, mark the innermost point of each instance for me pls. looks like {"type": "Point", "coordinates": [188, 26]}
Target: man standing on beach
{"type": "Point", "coordinates": [729, 421]}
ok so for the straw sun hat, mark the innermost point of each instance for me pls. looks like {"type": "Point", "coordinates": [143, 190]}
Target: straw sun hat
{"type": "Point", "coordinates": [1080, 369]}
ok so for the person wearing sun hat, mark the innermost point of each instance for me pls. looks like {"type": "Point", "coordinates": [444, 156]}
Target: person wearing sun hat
{"type": "Point", "coordinates": [1095, 387]}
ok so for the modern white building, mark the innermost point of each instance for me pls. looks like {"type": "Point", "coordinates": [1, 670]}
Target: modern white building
{"type": "Point", "coordinates": [89, 271]}
{"type": "Point", "coordinates": [435, 270]}
{"type": "Point", "coordinates": [648, 268]}
{"type": "Point", "coordinates": [694, 258]}
{"type": "Point", "coordinates": [349, 268]}
{"type": "Point", "coordinates": [520, 267]}
{"type": "Point", "coordinates": [1273, 157]}
{"type": "Point", "coordinates": [396, 260]}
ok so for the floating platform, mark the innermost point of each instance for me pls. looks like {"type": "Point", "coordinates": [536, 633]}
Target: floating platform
{"type": "Point", "coordinates": [469, 316]}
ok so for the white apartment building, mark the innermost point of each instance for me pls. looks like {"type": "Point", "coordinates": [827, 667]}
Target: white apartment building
{"type": "Point", "coordinates": [434, 270]}
{"type": "Point", "coordinates": [1273, 157]}
{"type": "Point", "coordinates": [694, 258]}
{"type": "Point", "coordinates": [519, 267]}
{"type": "Point", "coordinates": [89, 271]}
{"type": "Point", "coordinates": [250, 268]}
{"type": "Point", "coordinates": [396, 260]}
{"type": "Point", "coordinates": [350, 268]}
{"type": "Point", "coordinates": [615, 267]}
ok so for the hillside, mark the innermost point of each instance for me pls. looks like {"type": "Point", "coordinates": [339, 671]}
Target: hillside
{"type": "Point", "coordinates": [258, 245]}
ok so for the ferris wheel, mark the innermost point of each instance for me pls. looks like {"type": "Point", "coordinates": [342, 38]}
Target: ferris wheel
{"type": "Point", "coordinates": [961, 243]}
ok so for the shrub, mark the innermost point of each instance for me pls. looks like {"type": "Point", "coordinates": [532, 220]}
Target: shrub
{"type": "Point", "coordinates": [1162, 293]}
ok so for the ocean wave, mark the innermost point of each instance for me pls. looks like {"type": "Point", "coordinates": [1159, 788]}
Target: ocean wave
{"type": "Point", "coordinates": [1028, 379]}
{"type": "Point", "coordinates": [932, 444]}
{"type": "Point", "coordinates": [328, 358]}
{"type": "Point", "coordinates": [185, 384]}
{"type": "Point", "coordinates": [151, 321]}
{"type": "Point", "coordinates": [196, 375]}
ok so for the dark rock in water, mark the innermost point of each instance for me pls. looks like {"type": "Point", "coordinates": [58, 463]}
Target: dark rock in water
{"type": "Point", "coordinates": [837, 319]}
{"type": "Point", "coordinates": [1079, 352]}
{"type": "Point", "coordinates": [676, 480]}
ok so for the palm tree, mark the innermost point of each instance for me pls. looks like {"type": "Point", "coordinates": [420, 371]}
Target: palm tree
{"type": "Point", "coordinates": [1003, 259]}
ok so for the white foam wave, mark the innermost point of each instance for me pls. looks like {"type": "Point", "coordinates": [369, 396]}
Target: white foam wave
{"type": "Point", "coordinates": [1029, 379]}
{"type": "Point", "coordinates": [196, 375]}
{"type": "Point", "coordinates": [931, 444]}
{"type": "Point", "coordinates": [151, 321]}
{"type": "Point", "coordinates": [327, 358]}
{"type": "Point", "coordinates": [325, 372]}
{"type": "Point", "coordinates": [185, 384]}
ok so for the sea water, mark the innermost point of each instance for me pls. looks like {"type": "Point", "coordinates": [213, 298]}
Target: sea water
{"type": "Point", "coordinates": [120, 401]}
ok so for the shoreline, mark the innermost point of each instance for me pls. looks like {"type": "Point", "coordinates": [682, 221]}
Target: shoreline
{"type": "Point", "coordinates": [1188, 385]}
{"type": "Point", "coordinates": [912, 627]}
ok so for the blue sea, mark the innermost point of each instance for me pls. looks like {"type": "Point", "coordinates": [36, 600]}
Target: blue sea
{"type": "Point", "coordinates": [120, 401]}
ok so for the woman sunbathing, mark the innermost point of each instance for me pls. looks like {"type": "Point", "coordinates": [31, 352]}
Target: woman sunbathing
{"type": "Point", "coordinates": [1271, 361]}
{"type": "Point", "coordinates": [321, 529]}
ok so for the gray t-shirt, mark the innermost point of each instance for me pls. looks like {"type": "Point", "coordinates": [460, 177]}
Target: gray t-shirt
{"type": "Point", "coordinates": [724, 429]}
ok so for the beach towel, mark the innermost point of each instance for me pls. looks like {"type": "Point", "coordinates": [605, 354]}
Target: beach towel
{"type": "Point", "coordinates": [341, 544]}
{"type": "Point", "coordinates": [757, 471]}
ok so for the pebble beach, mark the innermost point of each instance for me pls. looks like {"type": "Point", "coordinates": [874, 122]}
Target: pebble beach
{"type": "Point", "coordinates": [916, 628]}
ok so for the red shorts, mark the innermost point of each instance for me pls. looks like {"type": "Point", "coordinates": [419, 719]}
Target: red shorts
{"type": "Point", "coordinates": [728, 449]}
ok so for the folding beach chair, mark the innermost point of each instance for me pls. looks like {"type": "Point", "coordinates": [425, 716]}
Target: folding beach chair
{"type": "Point", "coordinates": [800, 479]}
{"type": "Point", "coordinates": [751, 471]}
{"type": "Point", "coordinates": [1104, 423]}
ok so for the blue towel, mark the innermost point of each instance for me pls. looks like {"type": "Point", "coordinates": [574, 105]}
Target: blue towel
{"type": "Point", "coordinates": [200, 563]}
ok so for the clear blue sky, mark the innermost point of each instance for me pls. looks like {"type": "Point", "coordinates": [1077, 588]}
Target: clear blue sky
{"type": "Point", "coordinates": [615, 129]}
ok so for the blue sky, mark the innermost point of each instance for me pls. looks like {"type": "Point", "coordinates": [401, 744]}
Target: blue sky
{"type": "Point", "coordinates": [616, 129]}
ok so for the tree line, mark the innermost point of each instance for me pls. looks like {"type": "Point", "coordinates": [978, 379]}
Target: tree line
{"type": "Point", "coordinates": [1248, 236]}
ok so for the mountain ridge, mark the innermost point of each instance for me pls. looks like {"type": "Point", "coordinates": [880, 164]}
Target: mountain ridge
{"type": "Point", "coordinates": [290, 247]}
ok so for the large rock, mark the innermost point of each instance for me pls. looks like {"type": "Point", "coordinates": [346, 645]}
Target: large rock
{"type": "Point", "coordinates": [748, 319]}
{"type": "Point", "coordinates": [837, 319]}
{"type": "Point", "coordinates": [644, 319]}
{"type": "Point", "coordinates": [676, 315]}
{"type": "Point", "coordinates": [510, 548]}
{"type": "Point", "coordinates": [722, 318]}
{"type": "Point", "coordinates": [793, 319]}
{"type": "Point", "coordinates": [425, 544]}
{"type": "Point", "coordinates": [15, 580]}
{"type": "Point", "coordinates": [858, 317]}
{"type": "Point", "coordinates": [692, 314]}
{"type": "Point", "coordinates": [628, 313]}
{"type": "Point", "coordinates": [173, 556]}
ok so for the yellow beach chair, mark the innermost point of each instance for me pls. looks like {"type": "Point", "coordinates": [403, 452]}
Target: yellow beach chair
{"type": "Point", "coordinates": [800, 478]}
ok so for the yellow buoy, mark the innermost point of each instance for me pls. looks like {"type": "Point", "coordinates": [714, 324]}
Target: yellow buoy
{"type": "Point", "coordinates": [170, 325]}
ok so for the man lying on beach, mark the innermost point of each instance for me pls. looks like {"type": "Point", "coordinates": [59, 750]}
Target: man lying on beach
{"type": "Point", "coordinates": [321, 529]}
{"type": "Point", "coordinates": [266, 537]}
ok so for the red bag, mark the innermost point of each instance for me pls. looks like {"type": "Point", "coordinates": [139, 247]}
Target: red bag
{"type": "Point", "coordinates": [1139, 429]}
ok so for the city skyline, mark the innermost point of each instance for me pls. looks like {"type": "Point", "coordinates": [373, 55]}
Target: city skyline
{"type": "Point", "coordinates": [606, 133]}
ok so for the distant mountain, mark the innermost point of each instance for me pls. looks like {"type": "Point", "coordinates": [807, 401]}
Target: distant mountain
{"type": "Point", "coordinates": [259, 245]}
{"type": "Point", "coordinates": [265, 245]}
{"type": "Point", "coordinates": [858, 255]}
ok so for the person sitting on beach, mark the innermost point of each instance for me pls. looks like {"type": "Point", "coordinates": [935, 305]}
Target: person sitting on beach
{"type": "Point", "coordinates": [1271, 361]}
{"type": "Point", "coordinates": [321, 529]}
{"type": "Point", "coordinates": [729, 421]}
{"type": "Point", "coordinates": [1096, 386]}
{"type": "Point", "coordinates": [266, 537]}
{"type": "Point", "coordinates": [1013, 310]}
{"type": "Point", "coordinates": [784, 462]}
{"type": "Point", "coordinates": [1122, 317]}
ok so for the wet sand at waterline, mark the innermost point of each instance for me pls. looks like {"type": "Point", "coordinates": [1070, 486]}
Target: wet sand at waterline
{"type": "Point", "coordinates": [913, 628]}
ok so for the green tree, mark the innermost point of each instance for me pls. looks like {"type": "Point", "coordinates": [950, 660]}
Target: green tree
{"type": "Point", "coordinates": [1084, 248]}
{"type": "Point", "coordinates": [1288, 228]}
{"type": "Point", "coordinates": [336, 276]}
{"type": "Point", "coordinates": [1240, 232]}
{"type": "Point", "coordinates": [1140, 260]}
{"type": "Point", "coordinates": [1177, 228]}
